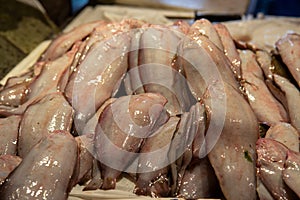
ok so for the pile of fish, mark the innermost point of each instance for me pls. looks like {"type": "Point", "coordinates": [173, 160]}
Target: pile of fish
{"type": "Point", "coordinates": [180, 110]}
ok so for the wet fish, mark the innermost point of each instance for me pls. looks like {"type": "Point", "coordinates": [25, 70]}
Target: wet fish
{"type": "Point", "coordinates": [14, 95]}
{"type": "Point", "coordinates": [204, 27]}
{"type": "Point", "coordinates": [229, 49]}
{"type": "Point", "coordinates": [291, 173]}
{"type": "Point", "coordinates": [158, 47]}
{"type": "Point", "coordinates": [49, 78]}
{"type": "Point", "coordinates": [9, 131]}
{"type": "Point", "coordinates": [270, 162]}
{"type": "Point", "coordinates": [233, 155]}
{"type": "Point", "coordinates": [199, 181]}
{"type": "Point", "coordinates": [183, 145]}
{"type": "Point", "coordinates": [55, 155]}
{"type": "Point", "coordinates": [264, 60]}
{"type": "Point", "coordinates": [121, 130]}
{"type": "Point", "coordinates": [85, 147]}
{"type": "Point", "coordinates": [181, 26]}
{"type": "Point", "coordinates": [46, 82]}
{"type": "Point", "coordinates": [56, 114]}
{"type": "Point", "coordinates": [14, 80]}
{"type": "Point", "coordinates": [7, 164]}
{"type": "Point", "coordinates": [289, 49]}
{"type": "Point", "coordinates": [152, 173]}
{"type": "Point", "coordinates": [292, 96]}
{"type": "Point", "coordinates": [64, 42]}
{"type": "Point", "coordinates": [204, 64]}
{"type": "Point", "coordinates": [286, 134]}
{"type": "Point", "coordinates": [95, 82]}
{"type": "Point", "coordinates": [267, 109]}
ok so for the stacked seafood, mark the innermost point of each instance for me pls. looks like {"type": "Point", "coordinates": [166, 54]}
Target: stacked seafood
{"type": "Point", "coordinates": [180, 110]}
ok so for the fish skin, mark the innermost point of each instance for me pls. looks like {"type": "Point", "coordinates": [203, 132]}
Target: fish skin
{"type": "Point", "coordinates": [7, 164]}
{"type": "Point", "coordinates": [85, 147]}
{"type": "Point", "coordinates": [14, 95]}
{"type": "Point", "coordinates": [185, 143]}
{"type": "Point", "coordinates": [233, 156]}
{"type": "Point", "coordinates": [9, 131]}
{"type": "Point", "coordinates": [265, 106]}
{"type": "Point", "coordinates": [262, 191]}
{"type": "Point", "coordinates": [229, 49]}
{"type": "Point", "coordinates": [57, 155]}
{"type": "Point", "coordinates": [45, 82]}
{"type": "Point", "coordinates": [13, 80]}
{"type": "Point", "coordinates": [286, 134]}
{"type": "Point", "coordinates": [52, 72]}
{"type": "Point", "coordinates": [264, 60]}
{"type": "Point", "coordinates": [291, 173]}
{"type": "Point", "coordinates": [121, 135]}
{"type": "Point", "coordinates": [199, 180]}
{"type": "Point", "coordinates": [56, 113]}
{"type": "Point", "coordinates": [88, 89]}
{"type": "Point", "coordinates": [203, 64]}
{"type": "Point", "coordinates": [90, 127]}
{"type": "Point", "coordinates": [181, 26]}
{"type": "Point", "coordinates": [63, 42]}
{"type": "Point", "coordinates": [158, 47]}
{"type": "Point", "coordinates": [288, 47]}
{"type": "Point", "coordinates": [270, 163]}
{"type": "Point", "coordinates": [153, 168]}
{"type": "Point", "coordinates": [205, 27]}
{"type": "Point", "coordinates": [132, 80]}
{"type": "Point", "coordinates": [292, 96]}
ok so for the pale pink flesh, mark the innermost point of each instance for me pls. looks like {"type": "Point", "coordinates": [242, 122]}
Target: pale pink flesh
{"type": "Point", "coordinates": [85, 145]}
{"type": "Point", "coordinates": [292, 96]}
{"type": "Point", "coordinates": [200, 120]}
{"type": "Point", "coordinates": [14, 95]}
{"type": "Point", "coordinates": [233, 156]}
{"type": "Point", "coordinates": [48, 80]}
{"type": "Point", "coordinates": [132, 81]}
{"type": "Point", "coordinates": [229, 49]}
{"type": "Point", "coordinates": [64, 42]}
{"type": "Point", "coordinates": [267, 109]}
{"type": "Point", "coordinates": [55, 155]}
{"type": "Point", "coordinates": [291, 173]}
{"type": "Point", "coordinates": [158, 49]}
{"type": "Point", "coordinates": [265, 62]}
{"type": "Point", "coordinates": [289, 50]}
{"type": "Point", "coordinates": [181, 26]}
{"type": "Point", "coordinates": [270, 162]}
{"type": "Point", "coordinates": [141, 115]}
{"type": "Point", "coordinates": [262, 191]}
{"type": "Point", "coordinates": [199, 180]}
{"type": "Point", "coordinates": [78, 58]}
{"type": "Point", "coordinates": [180, 153]}
{"type": "Point", "coordinates": [204, 65]}
{"type": "Point", "coordinates": [286, 134]}
{"type": "Point", "coordinates": [15, 90]}
{"type": "Point", "coordinates": [205, 27]}
{"type": "Point", "coordinates": [9, 128]}
{"type": "Point", "coordinates": [90, 127]}
{"type": "Point", "coordinates": [52, 112]}
{"type": "Point", "coordinates": [7, 164]}
{"type": "Point", "coordinates": [94, 82]}
{"type": "Point", "coordinates": [154, 163]}
{"type": "Point", "coordinates": [52, 72]}
{"type": "Point", "coordinates": [182, 146]}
